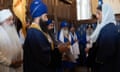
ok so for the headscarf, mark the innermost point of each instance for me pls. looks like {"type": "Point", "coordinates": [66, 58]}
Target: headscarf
{"type": "Point", "coordinates": [107, 17]}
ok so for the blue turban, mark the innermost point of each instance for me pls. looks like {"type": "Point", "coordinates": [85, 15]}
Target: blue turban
{"type": "Point", "coordinates": [37, 8]}
{"type": "Point", "coordinates": [63, 24]}
{"type": "Point", "coordinates": [49, 22]}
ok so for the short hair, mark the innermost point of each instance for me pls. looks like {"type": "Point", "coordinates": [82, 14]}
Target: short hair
{"type": "Point", "coordinates": [89, 25]}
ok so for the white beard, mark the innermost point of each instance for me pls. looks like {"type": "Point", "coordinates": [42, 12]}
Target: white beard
{"type": "Point", "coordinates": [65, 32]}
{"type": "Point", "coordinates": [11, 44]}
{"type": "Point", "coordinates": [89, 32]}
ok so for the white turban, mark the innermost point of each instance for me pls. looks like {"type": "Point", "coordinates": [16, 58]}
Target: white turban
{"type": "Point", "coordinates": [5, 14]}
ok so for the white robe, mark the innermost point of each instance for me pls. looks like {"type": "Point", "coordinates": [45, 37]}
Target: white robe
{"type": "Point", "coordinates": [10, 49]}
{"type": "Point", "coordinates": [74, 49]}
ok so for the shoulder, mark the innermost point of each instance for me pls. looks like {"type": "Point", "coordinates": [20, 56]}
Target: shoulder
{"type": "Point", "coordinates": [109, 30]}
{"type": "Point", "coordinates": [35, 34]}
{"type": "Point", "coordinates": [110, 27]}
{"type": "Point", "coordinates": [34, 31]}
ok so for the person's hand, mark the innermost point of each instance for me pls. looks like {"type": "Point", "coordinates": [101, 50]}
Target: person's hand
{"type": "Point", "coordinates": [87, 50]}
{"type": "Point", "coordinates": [16, 64]}
{"type": "Point", "coordinates": [67, 44]}
{"type": "Point", "coordinates": [62, 47]}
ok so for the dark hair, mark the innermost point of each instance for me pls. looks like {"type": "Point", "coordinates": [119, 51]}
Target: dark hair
{"type": "Point", "coordinates": [99, 7]}
{"type": "Point", "coordinates": [89, 25]}
{"type": "Point", "coordinates": [71, 25]}
{"type": "Point", "coordinates": [18, 24]}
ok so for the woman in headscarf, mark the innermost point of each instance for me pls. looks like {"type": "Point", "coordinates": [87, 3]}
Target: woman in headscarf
{"type": "Point", "coordinates": [104, 40]}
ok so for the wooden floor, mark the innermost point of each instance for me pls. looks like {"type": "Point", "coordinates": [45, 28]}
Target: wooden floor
{"type": "Point", "coordinates": [82, 69]}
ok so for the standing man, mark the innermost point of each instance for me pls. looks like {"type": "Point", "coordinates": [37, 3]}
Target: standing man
{"type": "Point", "coordinates": [38, 43]}
{"type": "Point", "coordinates": [59, 48]}
{"type": "Point", "coordinates": [63, 37]}
{"type": "Point", "coordinates": [10, 47]}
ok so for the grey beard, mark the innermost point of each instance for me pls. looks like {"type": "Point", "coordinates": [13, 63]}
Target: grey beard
{"type": "Point", "coordinates": [11, 30]}
{"type": "Point", "coordinates": [13, 38]}
{"type": "Point", "coordinates": [65, 32]}
{"type": "Point", "coordinates": [89, 32]}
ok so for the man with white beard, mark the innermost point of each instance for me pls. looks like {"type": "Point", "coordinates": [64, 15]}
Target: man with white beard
{"type": "Point", "coordinates": [63, 37]}
{"type": "Point", "coordinates": [10, 47]}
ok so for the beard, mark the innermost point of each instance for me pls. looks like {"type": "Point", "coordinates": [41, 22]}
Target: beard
{"type": "Point", "coordinates": [11, 31]}
{"type": "Point", "coordinates": [13, 36]}
{"type": "Point", "coordinates": [10, 43]}
{"type": "Point", "coordinates": [89, 32]}
{"type": "Point", "coordinates": [65, 32]}
{"type": "Point", "coordinates": [43, 26]}
{"type": "Point", "coordinates": [51, 31]}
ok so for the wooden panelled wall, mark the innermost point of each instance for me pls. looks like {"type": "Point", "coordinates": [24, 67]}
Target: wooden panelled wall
{"type": "Point", "coordinates": [64, 11]}
{"type": "Point", "coordinates": [61, 10]}
{"type": "Point", "coordinates": [5, 4]}
{"type": "Point", "coordinates": [58, 10]}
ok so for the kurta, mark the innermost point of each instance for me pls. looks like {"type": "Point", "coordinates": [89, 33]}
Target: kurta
{"type": "Point", "coordinates": [37, 55]}
{"type": "Point", "coordinates": [106, 49]}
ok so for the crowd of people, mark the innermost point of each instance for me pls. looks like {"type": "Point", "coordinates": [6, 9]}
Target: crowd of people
{"type": "Point", "coordinates": [43, 50]}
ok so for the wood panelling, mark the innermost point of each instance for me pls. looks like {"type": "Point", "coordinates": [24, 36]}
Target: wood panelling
{"type": "Point", "coordinates": [61, 10]}
{"type": "Point", "coordinates": [94, 4]}
{"type": "Point", "coordinates": [5, 4]}
{"type": "Point", "coordinates": [58, 10]}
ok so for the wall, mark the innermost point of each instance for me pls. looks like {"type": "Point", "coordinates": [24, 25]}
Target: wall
{"type": "Point", "coordinates": [60, 11]}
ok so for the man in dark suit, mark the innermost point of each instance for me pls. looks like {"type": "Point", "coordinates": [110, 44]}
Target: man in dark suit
{"type": "Point", "coordinates": [38, 44]}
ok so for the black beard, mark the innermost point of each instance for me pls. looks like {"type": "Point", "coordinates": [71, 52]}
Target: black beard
{"type": "Point", "coordinates": [51, 31]}
{"type": "Point", "coordinates": [43, 26]}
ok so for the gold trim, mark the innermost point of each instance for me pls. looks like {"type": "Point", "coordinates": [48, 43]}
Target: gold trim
{"type": "Point", "coordinates": [36, 26]}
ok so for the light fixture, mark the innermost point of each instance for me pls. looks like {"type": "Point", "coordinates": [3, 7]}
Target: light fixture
{"type": "Point", "coordinates": [84, 11]}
